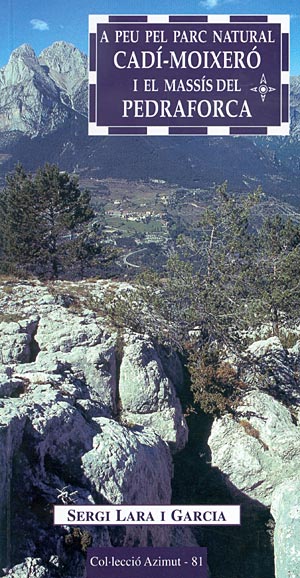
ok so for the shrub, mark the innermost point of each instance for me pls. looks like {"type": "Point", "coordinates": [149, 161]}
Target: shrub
{"type": "Point", "coordinates": [79, 540]}
{"type": "Point", "coordinates": [215, 384]}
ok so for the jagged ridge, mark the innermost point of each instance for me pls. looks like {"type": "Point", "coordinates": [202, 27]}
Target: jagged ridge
{"type": "Point", "coordinates": [37, 95]}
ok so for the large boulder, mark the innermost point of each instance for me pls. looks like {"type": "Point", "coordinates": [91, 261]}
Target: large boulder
{"type": "Point", "coordinates": [147, 395]}
{"type": "Point", "coordinates": [260, 449]}
{"type": "Point", "coordinates": [131, 466]}
{"type": "Point", "coordinates": [268, 365]}
{"type": "Point", "coordinates": [86, 346]}
{"type": "Point", "coordinates": [17, 341]}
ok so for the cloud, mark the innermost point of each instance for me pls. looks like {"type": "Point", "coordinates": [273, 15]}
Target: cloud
{"type": "Point", "coordinates": [39, 24]}
{"type": "Point", "coordinates": [210, 4]}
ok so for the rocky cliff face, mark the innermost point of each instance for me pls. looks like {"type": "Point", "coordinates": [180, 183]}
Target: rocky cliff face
{"type": "Point", "coordinates": [295, 105]}
{"type": "Point", "coordinates": [286, 512]}
{"type": "Point", "coordinates": [37, 95]}
{"type": "Point", "coordinates": [68, 67]}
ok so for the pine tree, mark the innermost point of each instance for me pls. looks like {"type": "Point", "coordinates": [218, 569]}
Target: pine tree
{"type": "Point", "coordinates": [42, 219]}
{"type": "Point", "coordinates": [19, 221]}
{"type": "Point", "coordinates": [63, 209]}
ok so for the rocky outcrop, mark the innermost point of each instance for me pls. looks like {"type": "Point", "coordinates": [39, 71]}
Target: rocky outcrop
{"type": "Point", "coordinates": [11, 434]}
{"type": "Point", "coordinates": [93, 414]}
{"type": "Point", "coordinates": [147, 395]}
{"type": "Point", "coordinates": [68, 67]}
{"type": "Point", "coordinates": [68, 389]}
{"type": "Point", "coordinates": [118, 466]}
{"type": "Point", "coordinates": [260, 449]}
{"type": "Point", "coordinates": [81, 344]}
{"type": "Point", "coordinates": [17, 342]}
{"type": "Point", "coordinates": [295, 105]}
{"type": "Point", "coordinates": [272, 367]}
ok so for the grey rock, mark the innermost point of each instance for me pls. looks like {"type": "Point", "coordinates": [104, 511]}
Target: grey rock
{"type": "Point", "coordinates": [29, 99]}
{"type": "Point", "coordinates": [262, 347]}
{"type": "Point", "coordinates": [17, 341]}
{"type": "Point", "coordinates": [68, 69]}
{"type": "Point", "coordinates": [37, 95]}
{"type": "Point", "coordinates": [12, 426]}
{"type": "Point", "coordinates": [127, 458]}
{"type": "Point", "coordinates": [270, 366]}
{"type": "Point", "coordinates": [10, 387]}
{"type": "Point", "coordinates": [67, 331]}
{"type": "Point", "coordinates": [258, 461]}
{"type": "Point", "coordinates": [118, 466]}
{"type": "Point", "coordinates": [30, 568]}
{"type": "Point", "coordinates": [59, 382]}
{"type": "Point", "coordinates": [80, 343]}
{"type": "Point", "coordinates": [295, 105]}
{"type": "Point", "coordinates": [56, 428]}
{"type": "Point", "coordinates": [286, 512]}
{"type": "Point", "coordinates": [147, 395]}
{"type": "Point", "coordinates": [24, 301]}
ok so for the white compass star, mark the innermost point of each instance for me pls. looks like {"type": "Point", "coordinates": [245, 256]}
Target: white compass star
{"type": "Point", "coordinates": [263, 88]}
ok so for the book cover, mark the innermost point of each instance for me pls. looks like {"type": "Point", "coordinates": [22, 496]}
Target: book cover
{"type": "Point", "coordinates": [149, 290]}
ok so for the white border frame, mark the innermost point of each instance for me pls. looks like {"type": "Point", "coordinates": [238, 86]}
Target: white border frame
{"type": "Point", "coordinates": [282, 129]}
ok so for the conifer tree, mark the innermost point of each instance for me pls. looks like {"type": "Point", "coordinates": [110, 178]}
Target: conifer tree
{"type": "Point", "coordinates": [19, 221]}
{"type": "Point", "coordinates": [42, 219]}
{"type": "Point", "coordinates": [231, 274]}
{"type": "Point", "coordinates": [63, 209]}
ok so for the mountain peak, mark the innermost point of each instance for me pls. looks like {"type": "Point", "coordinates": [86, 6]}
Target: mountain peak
{"type": "Point", "coordinates": [22, 65]}
{"type": "Point", "coordinates": [60, 45]}
{"type": "Point", "coordinates": [23, 52]}
{"type": "Point", "coordinates": [24, 49]}
{"type": "Point", "coordinates": [67, 66]}
{"type": "Point", "coordinates": [62, 57]}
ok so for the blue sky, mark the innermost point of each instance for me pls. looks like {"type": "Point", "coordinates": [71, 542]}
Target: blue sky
{"type": "Point", "coordinates": [42, 23]}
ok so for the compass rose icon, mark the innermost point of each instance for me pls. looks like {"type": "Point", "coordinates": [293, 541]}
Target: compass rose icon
{"type": "Point", "coordinates": [263, 88]}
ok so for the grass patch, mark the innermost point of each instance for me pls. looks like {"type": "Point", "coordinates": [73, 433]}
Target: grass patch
{"type": "Point", "coordinates": [76, 297]}
{"type": "Point", "coordinates": [11, 317]}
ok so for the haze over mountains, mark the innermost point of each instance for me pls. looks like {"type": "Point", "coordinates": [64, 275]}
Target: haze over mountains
{"type": "Point", "coordinates": [43, 117]}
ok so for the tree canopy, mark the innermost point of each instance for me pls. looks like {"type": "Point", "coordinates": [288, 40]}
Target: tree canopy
{"type": "Point", "coordinates": [47, 224]}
